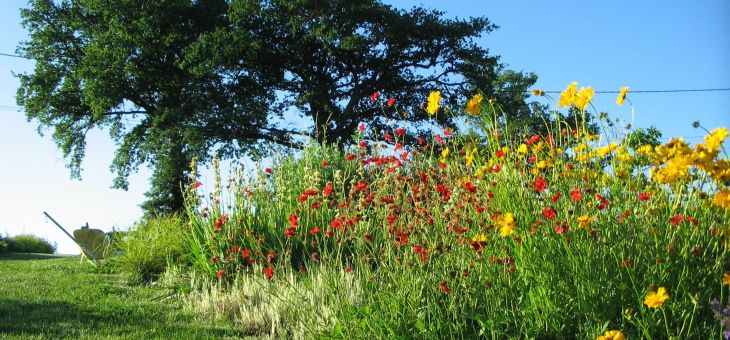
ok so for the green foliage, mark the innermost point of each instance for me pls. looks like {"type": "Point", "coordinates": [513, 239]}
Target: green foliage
{"type": "Point", "coordinates": [176, 80]}
{"type": "Point", "coordinates": [30, 244]}
{"type": "Point", "coordinates": [640, 137]}
{"type": "Point", "coordinates": [3, 244]}
{"type": "Point", "coordinates": [153, 245]}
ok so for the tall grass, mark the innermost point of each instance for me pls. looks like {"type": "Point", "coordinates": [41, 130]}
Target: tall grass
{"type": "Point", "coordinates": [565, 234]}
{"type": "Point", "coordinates": [152, 246]}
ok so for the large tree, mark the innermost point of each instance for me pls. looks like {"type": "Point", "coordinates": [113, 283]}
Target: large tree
{"type": "Point", "coordinates": [332, 55]}
{"type": "Point", "coordinates": [177, 79]}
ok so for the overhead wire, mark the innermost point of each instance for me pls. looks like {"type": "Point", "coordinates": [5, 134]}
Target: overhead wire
{"type": "Point", "coordinates": [503, 91]}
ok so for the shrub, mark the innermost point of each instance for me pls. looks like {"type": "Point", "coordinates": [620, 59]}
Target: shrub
{"type": "Point", "coordinates": [30, 244]}
{"type": "Point", "coordinates": [3, 244]}
{"type": "Point", "coordinates": [150, 247]}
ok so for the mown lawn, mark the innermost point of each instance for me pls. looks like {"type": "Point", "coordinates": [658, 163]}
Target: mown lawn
{"type": "Point", "coordinates": [46, 296]}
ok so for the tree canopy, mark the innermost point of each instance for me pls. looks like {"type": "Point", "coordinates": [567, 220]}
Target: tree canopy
{"type": "Point", "coordinates": [176, 79]}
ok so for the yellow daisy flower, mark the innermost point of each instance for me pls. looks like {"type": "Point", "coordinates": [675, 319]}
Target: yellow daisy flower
{"type": "Point", "coordinates": [433, 102]}
{"type": "Point", "coordinates": [622, 96]}
{"type": "Point", "coordinates": [655, 299]}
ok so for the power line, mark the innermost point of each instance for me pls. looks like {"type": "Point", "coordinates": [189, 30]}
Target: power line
{"type": "Point", "coordinates": [15, 56]}
{"type": "Point", "coordinates": [507, 91]}
{"type": "Point", "coordinates": [657, 91]}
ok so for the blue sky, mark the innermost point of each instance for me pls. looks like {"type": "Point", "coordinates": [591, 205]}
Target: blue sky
{"type": "Point", "coordinates": [646, 45]}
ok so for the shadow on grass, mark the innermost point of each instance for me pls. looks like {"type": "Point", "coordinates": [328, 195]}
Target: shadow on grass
{"type": "Point", "coordinates": [59, 319]}
{"type": "Point", "coordinates": [31, 256]}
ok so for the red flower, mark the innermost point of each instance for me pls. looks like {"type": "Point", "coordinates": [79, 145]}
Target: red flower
{"type": "Point", "coordinates": [269, 272]}
{"type": "Point", "coordinates": [290, 231]}
{"type": "Point", "coordinates": [219, 223]}
{"type": "Point", "coordinates": [561, 228]}
{"type": "Point", "coordinates": [271, 257]}
{"type": "Point", "coordinates": [676, 219]}
{"type": "Point", "coordinates": [448, 131]}
{"type": "Point", "coordinates": [575, 194]}
{"type": "Point", "coordinates": [499, 153]}
{"type": "Point", "coordinates": [220, 274]}
{"type": "Point", "coordinates": [390, 102]}
{"type": "Point", "coordinates": [439, 139]}
{"type": "Point", "coordinates": [401, 238]}
{"type": "Point", "coordinates": [443, 286]}
{"type": "Point", "coordinates": [374, 96]}
{"type": "Point", "coordinates": [197, 185]}
{"type": "Point", "coordinates": [361, 127]}
{"type": "Point", "coordinates": [348, 269]}
{"type": "Point", "coordinates": [293, 220]}
{"type": "Point", "coordinates": [327, 189]}
{"type": "Point", "coordinates": [549, 213]}
{"type": "Point", "coordinates": [337, 223]}
{"type": "Point", "coordinates": [603, 202]}
{"type": "Point", "coordinates": [644, 196]}
{"type": "Point", "coordinates": [314, 231]}
{"type": "Point", "coordinates": [324, 163]}
{"type": "Point", "coordinates": [400, 131]}
{"type": "Point", "coordinates": [555, 197]}
{"type": "Point", "coordinates": [268, 170]}
{"type": "Point", "coordinates": [539, 184]}
{"type": "Point", "coordinates": [246, 253]}
{"type": "Point", "coordinates": [624, 216]}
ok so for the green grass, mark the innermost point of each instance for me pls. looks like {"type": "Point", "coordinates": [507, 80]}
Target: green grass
{"type": "Point", "coordinates": [49, 296]}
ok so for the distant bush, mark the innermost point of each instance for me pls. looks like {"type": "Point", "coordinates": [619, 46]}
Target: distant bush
{"type": "Point", "coordinates": [29, 244]}
{"type": "Point", "coordinates": [3, 244]}
{"type": "Point", "coordinates": [150, 247]}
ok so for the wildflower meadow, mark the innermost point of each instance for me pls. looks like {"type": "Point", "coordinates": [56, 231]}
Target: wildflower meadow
{"type": "Point", "coordinates": [591, 229]}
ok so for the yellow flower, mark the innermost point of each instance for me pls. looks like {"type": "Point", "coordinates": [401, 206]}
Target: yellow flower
{"type": "Point", "coordinates": [567, 97]}
{"type": "Point", "coordinates": [622, 96]}
{"type": "Point", "coordinates": [605, 150]}
{"type": "Point", "coordinates": [612, 335]}
{"type": "Point", "coordinates": [623, 155]}
{"type": "Point", "coordinates": [444, 155]}
{"type": "Point", "coordinates": [676, 169]}
{"type": "Point", "coordinates": [433, 102]}
{"type": "Point", "coordinates": [536, 92]}
{"type": "Point", "coordinates": [655, 299]}
{"type": "Point", "coordinates": [544, 164]}
{"type": "Point", "coordinates": [470, 155]}
{"type": "Point", "coordinates": [715, 138]}
{"type": "Point", "coordinates": [585, 221]}
{"type": "Point", "coordinates": [522, 150]}
{"type": "Point", "coordinates": [479, 238]}
{"type": "Point", "coordinates": [591, 137]}
{"type": "Point", "coordinates": [726, 279]}
{"type": "Point", "coordinates": [722, 199]}
{"type": "Point", "coordinates": [720, 171]}
{"type": "Point", "coordinates": [584, 97]}
{"type": "Point", "coordinates": [474, 105]}
{"type": "Point", "coordinates": [506, 225]}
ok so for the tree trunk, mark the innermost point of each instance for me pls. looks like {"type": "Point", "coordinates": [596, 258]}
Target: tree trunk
{"type": "Point", "coordinates": [168, 179]}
